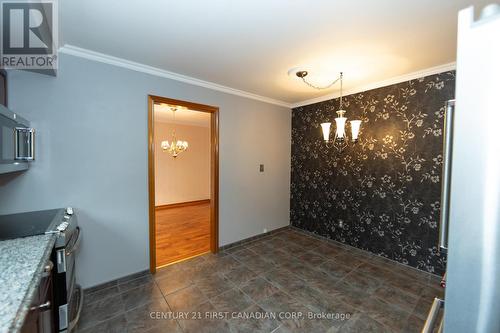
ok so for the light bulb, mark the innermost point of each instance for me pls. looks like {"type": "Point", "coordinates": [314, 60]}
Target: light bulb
{"type": "Point", "coordinates": [340, 131]}
{"type": "Point", "coordinates": [355, 124]}
{"type": "Point", "coordinates": [325, 127]}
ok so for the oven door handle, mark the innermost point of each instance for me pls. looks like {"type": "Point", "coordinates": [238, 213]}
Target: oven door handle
{"type": "Point", "coordinates": [75, 320]}
{"type": "Point", "coordinates": [76, 245]}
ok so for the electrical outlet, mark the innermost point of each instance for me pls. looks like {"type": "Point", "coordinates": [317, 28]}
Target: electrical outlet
{"type": "Point", "coordinates": [261, 168]}
{"type": "Point", "coordinates": [265, 230]}
{"type": "Point", "coordinates": [341, 224]}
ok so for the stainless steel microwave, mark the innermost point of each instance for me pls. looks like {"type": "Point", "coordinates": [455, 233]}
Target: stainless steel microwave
{"type": "Point", "coordinates": [17, 142]}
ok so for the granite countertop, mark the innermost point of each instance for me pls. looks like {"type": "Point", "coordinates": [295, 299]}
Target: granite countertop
{"type": "Point", "coordinates": [22, 261]}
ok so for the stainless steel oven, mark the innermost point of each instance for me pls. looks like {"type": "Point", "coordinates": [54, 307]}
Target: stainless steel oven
{"type": "Point", "coordinates": [17, 142]}
{"type": "Point", "coordinates": [68, 296]}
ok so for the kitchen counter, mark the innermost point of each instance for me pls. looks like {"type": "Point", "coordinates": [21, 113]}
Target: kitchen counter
{"type": "Point", "coordinates": [22, 261]}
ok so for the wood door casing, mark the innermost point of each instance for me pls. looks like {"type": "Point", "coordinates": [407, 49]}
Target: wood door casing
{"type": "Point", "coordinates": [214, 172]}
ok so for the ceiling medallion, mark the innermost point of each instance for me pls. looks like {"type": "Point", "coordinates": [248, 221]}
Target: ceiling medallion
{"type": "Point", "coordinates": [340, 140]}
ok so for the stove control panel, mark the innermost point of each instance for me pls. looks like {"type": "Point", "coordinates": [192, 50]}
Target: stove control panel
{"type": "Point", "coordinates": [62, 226]}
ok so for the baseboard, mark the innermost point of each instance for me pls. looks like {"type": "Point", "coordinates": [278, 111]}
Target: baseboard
{"type": "Point", "coordinates": [115, 282]}
{"type": "Point", "coordinates": [323, 238]}
{"type": "Point", "coordinates": [183, 204]}
{"type": "Point", "coordinates": [253, 238]}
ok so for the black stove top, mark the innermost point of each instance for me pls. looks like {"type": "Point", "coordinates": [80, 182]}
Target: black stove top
{"type": "Point", "coordinates": [26, 224]}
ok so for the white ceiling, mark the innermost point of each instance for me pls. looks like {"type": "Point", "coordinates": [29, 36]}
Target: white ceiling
{"type": "Point", "coordinates": [163, 113]}
{"type": "Point", "coordinates": [250, 45]}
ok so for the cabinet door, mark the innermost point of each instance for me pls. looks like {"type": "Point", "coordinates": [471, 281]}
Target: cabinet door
{"type": "Point", "coordinates": [31, 322]}
{"type": "Point", "coordinates": [39, 317]}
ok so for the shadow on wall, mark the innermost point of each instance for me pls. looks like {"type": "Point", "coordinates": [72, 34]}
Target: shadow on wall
{"type": "Point", "coordinates": [382, 194]}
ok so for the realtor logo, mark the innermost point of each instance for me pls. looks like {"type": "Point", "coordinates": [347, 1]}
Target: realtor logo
{"type": "Point", "coordinates": [29, 34]}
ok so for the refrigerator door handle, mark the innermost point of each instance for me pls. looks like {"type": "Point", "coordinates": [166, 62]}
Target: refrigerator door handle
{"type": "Point", "coordinates": [430, 322]}
{"type": "Point", "coordinates": [441, 326]}
{"type": "Point", "coordinates": [446, 175]}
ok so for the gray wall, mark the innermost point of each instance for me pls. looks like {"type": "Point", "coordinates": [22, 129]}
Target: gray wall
{"type": "Point", "coordinates": [91, 124]}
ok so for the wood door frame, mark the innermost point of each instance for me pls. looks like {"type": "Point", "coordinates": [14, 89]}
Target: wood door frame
{"type": "Point", "coordinates": [214, 172]}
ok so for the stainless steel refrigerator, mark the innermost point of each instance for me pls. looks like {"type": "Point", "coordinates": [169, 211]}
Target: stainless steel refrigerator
{"type": "Point", "coordinates": [470, 226]}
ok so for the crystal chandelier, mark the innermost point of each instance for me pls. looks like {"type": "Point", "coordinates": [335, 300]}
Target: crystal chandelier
{"type": "Point", "coordinates": [175, 147]}
{"type": "Point", "coordinates": [340, 140]}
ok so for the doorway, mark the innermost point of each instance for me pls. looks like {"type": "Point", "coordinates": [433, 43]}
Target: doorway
{"type": "Point", "coordinates": [183, 223]}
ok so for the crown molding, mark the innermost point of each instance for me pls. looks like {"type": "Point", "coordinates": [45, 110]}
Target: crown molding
{"type": "Point", "coordinates": [379, 84]}
{"type": "Point", "coordinates": [138, 67]}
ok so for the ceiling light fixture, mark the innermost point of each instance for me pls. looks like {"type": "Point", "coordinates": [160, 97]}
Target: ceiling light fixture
{"type": "Point", "coordinates": [340, 140]}
{"type": "Point", "coordinates": [176, 146]}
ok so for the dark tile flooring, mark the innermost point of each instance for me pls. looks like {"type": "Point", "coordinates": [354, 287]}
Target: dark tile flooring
{"type": "Point", "coordinates": [283, 274]}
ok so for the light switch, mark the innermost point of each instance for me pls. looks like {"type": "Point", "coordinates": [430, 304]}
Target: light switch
{"type": "Point", "coordinates": [261, 169]}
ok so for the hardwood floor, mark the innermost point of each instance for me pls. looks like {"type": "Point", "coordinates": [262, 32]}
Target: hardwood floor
{"type": "Point", "coordinates": [182, 232]}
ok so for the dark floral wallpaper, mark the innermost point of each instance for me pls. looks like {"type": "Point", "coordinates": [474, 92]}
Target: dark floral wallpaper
{"type": "Point", "coordinates": [381, 194]}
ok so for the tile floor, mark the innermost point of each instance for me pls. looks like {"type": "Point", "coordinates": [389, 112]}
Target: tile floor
{"type": "Point", "coordinates": [285, 273]}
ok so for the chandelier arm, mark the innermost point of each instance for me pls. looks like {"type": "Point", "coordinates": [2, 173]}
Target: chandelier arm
{"type": "Point", "coordinates": [340, 146]}
{"type": "Point", "coordinates": [340, 143]}
{"type": "Point", "coordinates": [323, 87]}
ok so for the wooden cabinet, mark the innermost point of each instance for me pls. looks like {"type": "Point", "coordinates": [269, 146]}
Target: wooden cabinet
{"type": "Point", "coordinates": [40, 316]}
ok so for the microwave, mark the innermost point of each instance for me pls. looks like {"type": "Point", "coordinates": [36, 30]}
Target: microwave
{"type": "Point", "coordinates": [17, 142]}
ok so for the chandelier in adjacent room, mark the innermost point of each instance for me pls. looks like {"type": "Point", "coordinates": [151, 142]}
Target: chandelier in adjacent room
{"type": "Point", "coordinates": [340, 140]}
{"type": "Point", "coordinates": [175, 147]}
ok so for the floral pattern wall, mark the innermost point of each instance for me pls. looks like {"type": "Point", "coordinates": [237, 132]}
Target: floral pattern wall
{"type": "Point", "coordinates": [381, 194]}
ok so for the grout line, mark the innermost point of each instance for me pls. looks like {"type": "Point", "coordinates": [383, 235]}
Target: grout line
{"type": "Point", "coordinates": [98, 322]}
{"type": "Point", "coordinates": [168, 305]}
{"type": "Point", "coordinates": [281, 324]}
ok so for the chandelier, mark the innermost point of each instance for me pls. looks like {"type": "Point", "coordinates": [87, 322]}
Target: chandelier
{"type": "Point", "coordinates": [175, 147]}
{"type": "Point", "coordinates": [340, 140]}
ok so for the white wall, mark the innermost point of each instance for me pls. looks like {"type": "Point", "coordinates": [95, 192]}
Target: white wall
{"type": "Point", "coordinates": [186, 177]}
{"type": "Point", "coordinates": [91, 123]}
